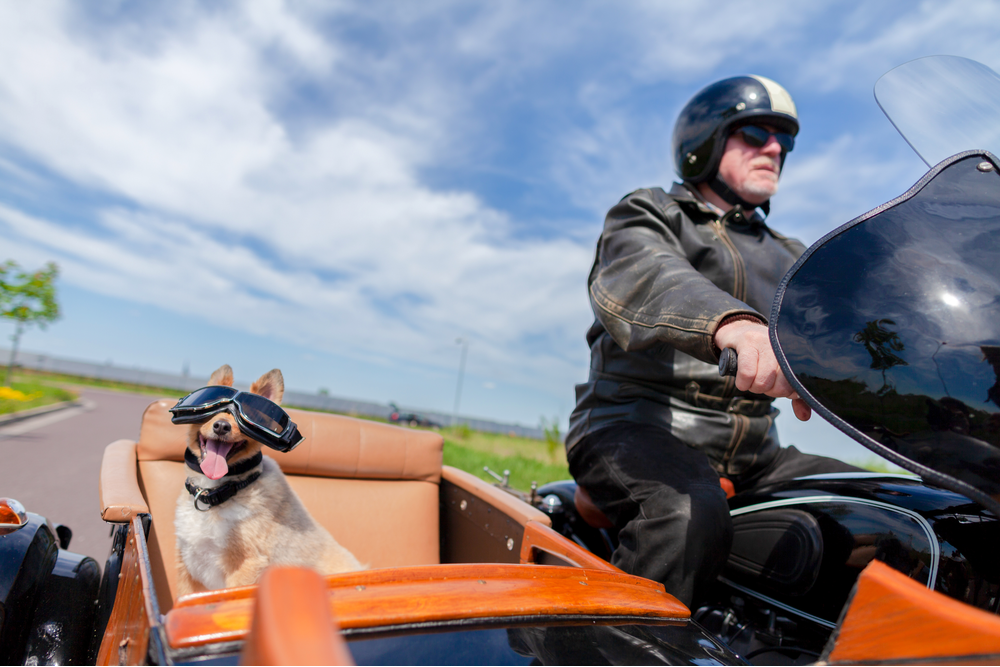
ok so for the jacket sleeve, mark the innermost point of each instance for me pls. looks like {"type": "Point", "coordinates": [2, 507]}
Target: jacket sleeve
{"type": "Point", "coordinates": [643, 289]}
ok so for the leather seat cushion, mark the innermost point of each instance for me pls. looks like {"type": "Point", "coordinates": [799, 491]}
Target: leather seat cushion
{"type": "Point", "coordinates": [384, 523]}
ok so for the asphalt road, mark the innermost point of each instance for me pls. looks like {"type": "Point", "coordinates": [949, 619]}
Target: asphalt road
{"type": "Point", "coordinates": [51, 463]}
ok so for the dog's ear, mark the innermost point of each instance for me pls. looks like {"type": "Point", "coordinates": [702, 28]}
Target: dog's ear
{"type": "Point", "coordinates": [223, 375]}
{"type": "Point", "coordinates": [270, 385]}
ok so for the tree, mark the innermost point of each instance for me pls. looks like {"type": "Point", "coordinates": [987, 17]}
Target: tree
{"type": "Point", "coordinates": [881, 343]}
{"type": "Point", "coordinates": [27, 298]}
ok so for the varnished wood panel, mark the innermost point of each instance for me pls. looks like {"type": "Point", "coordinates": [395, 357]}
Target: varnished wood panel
{"type": "Point", "coordinates": [403, 596]}
{"type": "Point", "coordinates": [894, 618]}
{"type": "Point", "coordinates": [126, 639]}
{"type": "Point", "coordinates": [540, 538]}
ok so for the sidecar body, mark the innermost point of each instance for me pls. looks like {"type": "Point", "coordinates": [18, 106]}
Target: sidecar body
{"type": "Point", "coordinates": [460, 571]}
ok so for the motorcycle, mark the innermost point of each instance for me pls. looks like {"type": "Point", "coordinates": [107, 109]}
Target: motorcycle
{"type": "Point", "coordinates": [889, 328]}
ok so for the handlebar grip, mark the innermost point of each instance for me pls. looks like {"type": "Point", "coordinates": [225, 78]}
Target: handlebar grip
{"type": "Point", "coordinates": [728, 362]}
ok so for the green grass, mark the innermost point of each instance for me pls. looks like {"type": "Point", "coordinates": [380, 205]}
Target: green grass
{"type": "Point", "coordinates": [36, 393]}
{"type": "Point", "coordinates": [46, 378]}
{"type": "Point", "coordinates": [875, 464]}
{"type": "Point", "coordinates": [528, 460]}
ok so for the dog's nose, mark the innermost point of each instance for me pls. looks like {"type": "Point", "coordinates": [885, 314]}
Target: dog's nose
{"type": "Point", "coordinates": [222, 427]}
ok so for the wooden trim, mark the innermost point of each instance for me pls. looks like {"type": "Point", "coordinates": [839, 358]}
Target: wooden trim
{"type": "Point", "coordinates": [892, 617]}
{"type": "Point", "coordinates": [539, 539]}
{"type": "Point", "coordinates": [399, 597]}
{"type": "Point", "coordinates": [135, 613]}
{"type": "Point", "coordinates": [292, 624]}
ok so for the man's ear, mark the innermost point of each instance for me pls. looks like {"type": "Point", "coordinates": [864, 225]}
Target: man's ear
{"type": "Point", "coordinates": [223, 375]}
{"type": "Point", "coordinates": [270, 385]}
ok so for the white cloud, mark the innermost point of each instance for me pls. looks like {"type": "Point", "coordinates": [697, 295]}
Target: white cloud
{"type": "Point", "coordinates": [876, 38]}
{"type": "Point", "coordinates": [267, 154]}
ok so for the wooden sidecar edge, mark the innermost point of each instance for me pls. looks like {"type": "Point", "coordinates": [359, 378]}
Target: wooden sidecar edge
{"type": "Point", "coordinates": [135, 613]}
{"type": "Point", "coordinates": [397, 598]}
{"type": "Point", "coordinates": [120, 496]}
{"type": "Point", "coordinates": [892, 618]}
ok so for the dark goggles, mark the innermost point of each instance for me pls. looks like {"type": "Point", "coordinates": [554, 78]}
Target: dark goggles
{"type": "Point", "coordinates": [756, 137]}
{"type": "Point", "coordinates": [261, 419]}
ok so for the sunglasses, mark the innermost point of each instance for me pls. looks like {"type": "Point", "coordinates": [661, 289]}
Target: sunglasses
{"type": "Point", "coordinates": [258, 417]}
{"type": "Point", "coordinates": [757, 136]}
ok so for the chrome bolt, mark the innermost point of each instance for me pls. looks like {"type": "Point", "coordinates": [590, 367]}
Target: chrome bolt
{"type": "Point", "coordinates": [985, 166]}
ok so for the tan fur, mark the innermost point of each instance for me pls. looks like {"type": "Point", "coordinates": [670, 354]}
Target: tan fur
{"type": "Point", "coordinates": [264, 523]}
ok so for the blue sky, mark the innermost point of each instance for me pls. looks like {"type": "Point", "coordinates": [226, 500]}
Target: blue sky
{"type": "Point", "coordinates": [342, 189]}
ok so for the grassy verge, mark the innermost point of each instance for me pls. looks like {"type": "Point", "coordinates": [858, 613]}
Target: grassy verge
{"type": "Point", "coordinates": [25, 395]}
{"type": "Point", "coordinates": [875, 464]}
{"type": "Point", "coordinates": [46, 378]}
{"type": "Point", "coordinates": [528, 460]}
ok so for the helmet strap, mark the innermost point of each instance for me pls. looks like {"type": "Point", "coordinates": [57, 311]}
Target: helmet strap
{"type": "Point", "coordinates": [720, 188]}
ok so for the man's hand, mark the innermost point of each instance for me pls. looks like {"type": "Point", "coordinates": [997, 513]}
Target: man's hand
{"type": "Point", "coordinates": [759, 371]}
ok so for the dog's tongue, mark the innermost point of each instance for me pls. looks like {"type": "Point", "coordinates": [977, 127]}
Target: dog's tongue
{"type": "Point", "coordinates": [214, 464]}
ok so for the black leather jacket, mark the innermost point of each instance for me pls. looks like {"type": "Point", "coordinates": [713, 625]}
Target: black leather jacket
{"type": "Point", "coordinates": [668, 270]}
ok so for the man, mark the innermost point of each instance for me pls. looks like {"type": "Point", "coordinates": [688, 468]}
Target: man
{"type": "Point", "coordinates": [678, 277]}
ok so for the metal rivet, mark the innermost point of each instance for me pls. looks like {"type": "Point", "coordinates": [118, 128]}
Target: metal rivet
{"type": "Point", "coordinates": [692, 158]}
{"type": "Point", "coordinates": [510, 544]}
{"type": "Point", "coordinates": [985, 166]}
{"type": "Point", "coordinates": [482, 582]}
{"type": "Point", "coordinates": [741, 106]}
{"type": "Point", "coordinates": [463, 505]}
{"type": "Point", "coordinates": [583, 583]}
{"type": "Point", "coordinates": [360, 588]}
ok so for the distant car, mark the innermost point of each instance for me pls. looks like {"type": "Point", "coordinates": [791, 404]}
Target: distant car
{"type": "Point", "coordinates": [410, 418]}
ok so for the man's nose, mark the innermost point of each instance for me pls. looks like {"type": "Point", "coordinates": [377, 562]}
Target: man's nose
{"type": "Point", "coordinates": [772, 147]}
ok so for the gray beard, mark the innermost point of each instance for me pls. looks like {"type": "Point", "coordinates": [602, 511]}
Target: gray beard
{"type": "Point", "coordinates": [759, 191]}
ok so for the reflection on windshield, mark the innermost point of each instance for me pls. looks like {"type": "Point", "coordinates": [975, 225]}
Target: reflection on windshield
{"type": "Point", "coordinates": [894, 325]}
{"type": "Point", "coordinates": [882, 344]}
{"type": "Point", "coordinates": [943, 105]}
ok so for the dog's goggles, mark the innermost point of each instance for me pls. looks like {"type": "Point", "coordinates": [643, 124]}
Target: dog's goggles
{"type": "Point", "coordinates": [261, 419]}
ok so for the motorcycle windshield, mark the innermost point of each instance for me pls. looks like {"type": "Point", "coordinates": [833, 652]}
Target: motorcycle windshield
{"type": "Point", "coordinates": [943, 105]}
{"type": "Point", "coordinates": [890, 328]}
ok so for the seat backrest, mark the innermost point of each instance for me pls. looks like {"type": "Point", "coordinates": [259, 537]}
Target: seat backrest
{"type": "Point", "coordinates": [372, 485]}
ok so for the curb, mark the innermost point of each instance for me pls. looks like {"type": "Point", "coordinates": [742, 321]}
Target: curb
{"type": "Point", "coordinates": [34, 412]}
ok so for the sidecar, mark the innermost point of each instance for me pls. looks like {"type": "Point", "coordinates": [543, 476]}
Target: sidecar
{"type": "Point", "coordinates": [460, 572]}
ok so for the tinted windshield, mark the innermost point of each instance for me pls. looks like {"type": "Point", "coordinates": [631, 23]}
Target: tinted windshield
{"type": "Point", "coordinates": [943, 105]}
{"type": "Point", "coordinates": [893, 325]}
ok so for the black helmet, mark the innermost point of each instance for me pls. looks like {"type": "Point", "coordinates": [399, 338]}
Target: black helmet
{"type": "Point", "coordinates": [707, 119]}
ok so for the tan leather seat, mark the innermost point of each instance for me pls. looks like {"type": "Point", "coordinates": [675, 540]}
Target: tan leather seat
{"type": "Point", "coordinates": [372, 485]}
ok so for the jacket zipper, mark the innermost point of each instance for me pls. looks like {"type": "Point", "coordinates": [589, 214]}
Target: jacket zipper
{"type": "Point", "coordinates": [739, 267]}
{"type": "Point", "coordinates": [739, 286]}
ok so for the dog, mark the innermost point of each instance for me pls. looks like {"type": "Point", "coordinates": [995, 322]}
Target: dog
{"type": "Point", "coordinates": [231, 543]}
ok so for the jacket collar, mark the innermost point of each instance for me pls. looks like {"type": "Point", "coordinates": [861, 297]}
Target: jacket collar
{"type": "Point", "coordinates": [688, 196]}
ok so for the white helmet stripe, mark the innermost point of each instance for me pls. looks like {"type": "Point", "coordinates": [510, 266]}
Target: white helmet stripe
{"type": "Point", "coordinates": [781, 101]}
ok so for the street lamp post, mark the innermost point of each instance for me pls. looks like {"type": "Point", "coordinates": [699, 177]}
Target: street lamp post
{"type": "Point", "coordinates": [461, 371]}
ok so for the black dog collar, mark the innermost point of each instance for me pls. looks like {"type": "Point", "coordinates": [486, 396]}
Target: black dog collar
{"type": "Point", "coordinates": [220, 494]}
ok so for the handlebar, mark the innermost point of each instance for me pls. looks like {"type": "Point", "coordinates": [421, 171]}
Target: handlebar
{"type": "Point", "coordinates": [728, 362]}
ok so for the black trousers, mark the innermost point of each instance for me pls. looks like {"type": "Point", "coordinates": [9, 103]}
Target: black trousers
{"type": "Point", "coordinates": [664, 497]}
